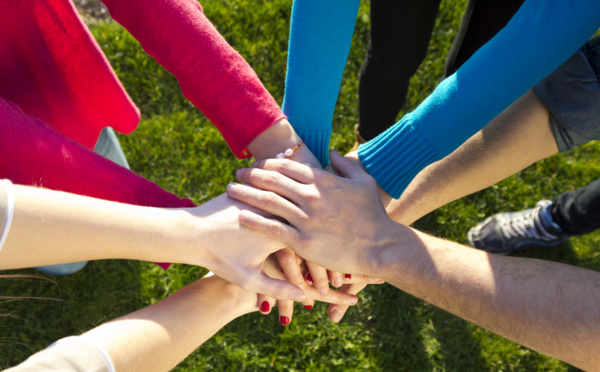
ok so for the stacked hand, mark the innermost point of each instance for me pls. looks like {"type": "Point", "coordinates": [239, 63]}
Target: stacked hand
{"type": "Point", "coordinates": [306, 198]}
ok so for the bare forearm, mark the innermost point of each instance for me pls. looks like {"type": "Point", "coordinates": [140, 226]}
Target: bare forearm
{"type": "Point", "coordinates": [547, 306]}
{"type": "Point", "coordinates": [51, 227]}
{"type": "Point", "coordinates": [517, 138]}
{"type": "Point", "coordinates": [158, 337]}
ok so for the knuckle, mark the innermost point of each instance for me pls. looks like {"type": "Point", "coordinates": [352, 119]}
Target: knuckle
{"type": "Point", "coordinates": [270, 200]}
{"type": "Point", "coordinates": [274, 229]}
{"type": "Point", "coordinates": [273, 179]}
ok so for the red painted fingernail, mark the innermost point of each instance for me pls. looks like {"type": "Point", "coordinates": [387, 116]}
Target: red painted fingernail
{"type": "Point", "coordinates": [284, 320]}
{"type": "Point", "coordinates": [309, 279]}
{"type": "Point", "coordinates": [265, 306]}
{"type": "Point", "coordinates": [308, 307]}
{"type": "Point", "coordinates": [347, 276]}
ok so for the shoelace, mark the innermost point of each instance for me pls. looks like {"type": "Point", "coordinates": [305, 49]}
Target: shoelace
{"type": "Point", "coordinates": [527, 224]}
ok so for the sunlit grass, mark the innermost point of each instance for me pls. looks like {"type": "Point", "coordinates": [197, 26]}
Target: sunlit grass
{"type": "Point", "coordinates": [176, 147]}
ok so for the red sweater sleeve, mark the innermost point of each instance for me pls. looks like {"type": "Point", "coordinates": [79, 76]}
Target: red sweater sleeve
{"type": "Point", "coordinates": [32, 153]}
{"type": "Point", "coordinates": [213, 76]}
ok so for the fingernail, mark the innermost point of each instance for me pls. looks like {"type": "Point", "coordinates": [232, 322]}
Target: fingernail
{"type": "Point", "coordinates": [298, 296]}
{"type": "Point", "coordinates": [309, 279]}
{"type": "Point", "coordinates": [239, 172]}
{"type": "Point", "coordinates": [353, 300]}
{"type": "Point", "coordinates": [284, 320]}
{"type": "Point", "coordinates": [335, 315]}
{"type": "Point", "coordinates": [254, 165]}
{"type": "Point", "coordinates": [347, 276]}
{"type": "Point", "coordinates": [280, 269]}
{"type": "Point", "coordinates": [337, 282]}
{"type": "Point", "coordinates": [324, 291]}
{"type": "Point", "coordinates": [265, 306]}
{"type": "Point", "coordinates": [308, 307]}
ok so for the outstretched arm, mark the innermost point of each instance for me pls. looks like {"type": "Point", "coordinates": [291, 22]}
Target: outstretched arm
{"type": "Point", "coordinates": [50, 227]}
{"type": "Point", "coordinates": [319, 43]}
{"type": "Point", "coordinates": [515, 139]}
{"type": "Point", "coordinates": [160, 336]}
{"type": "Point", "coordinates": [547, 306]}
{"type": "Point", "coordinates": [494, 77]}
{"type": "Point", "coordinates": [155, 338]}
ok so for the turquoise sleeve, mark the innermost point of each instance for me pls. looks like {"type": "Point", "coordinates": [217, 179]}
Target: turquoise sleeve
{"type": "Point", "coordinates": [542, 35]}
{"type": "Point", "coordinates": [320, 37]}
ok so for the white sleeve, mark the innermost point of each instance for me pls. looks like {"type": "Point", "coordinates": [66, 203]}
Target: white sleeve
{"type": "Point", "coordinates": [68, 354]}
{"type": "Point", "coordinates": [7, 203]}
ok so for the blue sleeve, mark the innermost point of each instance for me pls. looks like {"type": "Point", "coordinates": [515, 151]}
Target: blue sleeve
{"type": "Point", "coordinates": [541, 36]}
{"type": "Point", "coordinates": [320, 37]}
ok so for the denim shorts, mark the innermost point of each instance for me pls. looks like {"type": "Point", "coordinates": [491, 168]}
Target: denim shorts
{"type": "Point", "coordinates": [572, 95]}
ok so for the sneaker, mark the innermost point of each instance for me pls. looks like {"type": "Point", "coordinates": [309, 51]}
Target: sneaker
{"type": "Point", "coordinates": [509, 232]}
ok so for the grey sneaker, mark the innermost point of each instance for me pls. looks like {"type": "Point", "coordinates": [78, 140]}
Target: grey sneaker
{"type": "Point", "coordinates": [509, 232]}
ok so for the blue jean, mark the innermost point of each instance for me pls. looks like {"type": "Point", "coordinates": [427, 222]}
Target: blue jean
{"type": "Point", "coordinates": [572, 95]}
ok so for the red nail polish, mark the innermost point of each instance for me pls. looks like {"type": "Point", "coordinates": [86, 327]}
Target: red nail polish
{"type": "Point", "coordinates": [347, 276]}
{"type": "Point", "coordinates": [308, 307]}
{"type": "Point", "coordinates": [284, 320]}
{"type": "Point", "coordinates": [265, 306]}
{"type": "Point", "coordinates": [309, 279]}
{"type": "Point", "coordinates": [280, 269]}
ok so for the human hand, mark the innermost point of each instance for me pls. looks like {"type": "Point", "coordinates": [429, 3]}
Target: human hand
{"type": "Point", "coordinates": [385, 197]}
{"type": "Point", "coordinates": [235, 252]}
{"type": "Point", "coordinates": [342, 298]}
{"type": "Point", "coordinates": [337, 311]}
{"type": "Point", "coordinates": [338, 223]}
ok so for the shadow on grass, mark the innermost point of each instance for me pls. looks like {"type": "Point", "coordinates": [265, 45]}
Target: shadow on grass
{"type": "Point", "coordinates": [102, 291]}
{"type": "Point", "coordinates": [414, 336]}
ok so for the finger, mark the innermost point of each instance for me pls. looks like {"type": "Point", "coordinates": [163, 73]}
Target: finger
{"type": "Point", "coordinates": [346, 167]}
{"type": "Point", "coordinates": [291, 169]}
{"type": "Point", "coordinates": [286, 309]}
{"type": "Point", "coordinates": [270, 181]}
{"type": "Point", "coordinates": [309, 303]}
{"type": "Point", "coordinates": [290, 267]}
{"type": "Point", "coordinates": [336, 278]}
{"type": "Point", "coordinates": [278, 289]}
{"type": "Point", "coordinates": [319, 278]}
{"type": "Point", "coordinates": [277, 230]}
{"type": "Point", "coordinates": [265, 200]}
{"type": "Point", "coordinates": [265, 304]}
{"type": "Point", "coordinates": [337, 311]}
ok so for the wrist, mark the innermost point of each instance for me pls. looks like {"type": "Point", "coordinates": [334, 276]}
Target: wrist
{"type": "Point", "coordinates": [386, 260]}
{"type": "Point", "coordinates": [277, 139]}
{"type": "Point", "coordinates": [274, 140]}
{"type": "Point", "coordinates": [183, 238]}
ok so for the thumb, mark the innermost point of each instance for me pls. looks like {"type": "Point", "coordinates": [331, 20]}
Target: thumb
{"type": "Point", "coordinates": [278, 289]}
{"type": "Point", "coordinates": [346, 167]}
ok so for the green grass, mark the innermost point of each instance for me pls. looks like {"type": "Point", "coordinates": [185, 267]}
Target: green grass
{"type": "Point", "coordinates": [176, 147]}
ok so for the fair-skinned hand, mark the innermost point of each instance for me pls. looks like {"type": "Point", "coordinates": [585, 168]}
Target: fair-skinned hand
{"type": "Point", "coordinates": [308, 199]}
{"type": "Point", "coordinates": [276, 139]}
{"type": "Point", "coordinates": [337, 311]}
{"type": "Point", "coordinates": [340, 299]}
{"type": "Point", "coordinates": [235, 252]}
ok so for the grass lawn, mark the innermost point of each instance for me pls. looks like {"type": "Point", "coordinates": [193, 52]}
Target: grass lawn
{"type": "Point", "coordinates": [176, 147]}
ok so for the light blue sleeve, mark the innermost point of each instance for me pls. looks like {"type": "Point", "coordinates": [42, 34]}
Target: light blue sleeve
{"type": "Point", "coordinates": [541, 36]}
{"type": "Point", "coordinates": [320, 37]}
